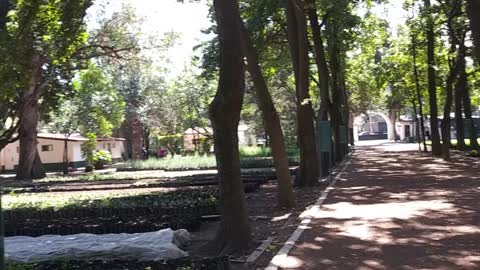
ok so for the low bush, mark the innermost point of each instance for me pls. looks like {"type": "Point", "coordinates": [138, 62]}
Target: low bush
{"type": "Point", "coordinates": [101, 158]}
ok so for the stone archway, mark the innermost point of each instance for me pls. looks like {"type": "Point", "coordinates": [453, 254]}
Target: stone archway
{"type": "Point", "coordinates": [358, 121]}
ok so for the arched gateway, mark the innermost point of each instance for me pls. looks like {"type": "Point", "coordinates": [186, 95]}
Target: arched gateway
{"type": "Point", "coordinates": [373, 125]}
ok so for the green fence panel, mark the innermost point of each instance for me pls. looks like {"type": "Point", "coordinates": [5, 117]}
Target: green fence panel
{"type": "Point", "coordinates": [343, 134]}
{"type": "Point", "coordinates": [467, 125]}
{"type": "Point", "coordinates": [325, 136]}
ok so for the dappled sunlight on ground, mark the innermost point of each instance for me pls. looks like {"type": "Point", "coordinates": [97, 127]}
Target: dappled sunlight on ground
{"type": "Point", "coordinates": [401, 210]}
{"type": "Point", "coordinates": [396, 210]}
{"type": "Point", "coordinates": [287, 261]}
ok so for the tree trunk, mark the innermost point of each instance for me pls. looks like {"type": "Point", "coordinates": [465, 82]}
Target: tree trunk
{"type": "Point", "coordinates": [234, 233]}
{"type": "Point", "coordinates": [65, 155]}
{"type": "Point", "coordinates": [171, 150]}
{"type": "Point", "coordinates": [417, 89]}
{"type": "Point", "coordinates": [297, 38]}
{"type": "Point", "coordinates": [432, 91]}
{"type": "Point", "coordinates": [467, 103]}
{"type": "Point", "coordinates": [392, 114]}
{"type": "Point", "coordinates": [459, 92]}
{"type": "Point", "coordinates": [29, 164]}
{"type": "Point", "coordinates": [338, 106]}
{"type": "Point", "coordinates": [4, 8]}
{"type": "Point", "coordinates": [473, 11]}
{"type": "Point", "coordinates": [417, 124]}
{"type": "Point", "coordinates": [271, 122]}
{"type": "Point", "coordinates": [324, 79]}
{"type": "Point", "coordinates": [133, 131]}
{"type": "Point", "coordinates": [146, 138]}
{"type": "Point", "coordinates": [446, 115]}
{"type": "Point", "coordinates": [345, 109]}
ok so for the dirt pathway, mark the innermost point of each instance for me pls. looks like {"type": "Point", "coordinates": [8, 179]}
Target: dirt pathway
{"type": "Point", "coordinates": [395, 209]}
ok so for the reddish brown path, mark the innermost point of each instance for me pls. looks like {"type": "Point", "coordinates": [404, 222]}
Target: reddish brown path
{"type": "Point", "coordinates": [396, 210]}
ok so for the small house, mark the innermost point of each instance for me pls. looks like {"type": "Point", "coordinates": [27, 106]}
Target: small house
{"type": "Point", "coordinates": [51, 148]}
{"type": "Point", "coordinates": [113, 145]}
{"type": "Point", "coordinates": [192, 137]}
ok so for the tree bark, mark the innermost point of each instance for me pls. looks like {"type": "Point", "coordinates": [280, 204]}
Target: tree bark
{"type": "Point", "coordinates": [459, 92]}
{"type": "Point", "coordinates": [338, 107]}
{"type": "Point", "coordinates": [146, 138]}
{"type": "Point", "coordinates": [432, 91]}
{"type": "Point", "coordinates": [297, 38]}
{"type": "Point", "coordinates": [417, 89]}
{"type": "Point", "coordinates": [65, 155]}
{"type": "Point", "coordinates": [417, 123]}
{"type": "Point", "coordinates": [465, 95]}
{"type": "Point", "coordinates": [29, 164]}
{"type": "Point", "coordinates": [234, 233]}
{"type": "Point", "coordinates": [271, 122]}
{"type": "Point", "coordinates": [446, 115]}
{"type": "Point", "coordinates": [4, 8]}
{"type": "Point", "coordinates": [473, 11]}
{"type": "Point", "coordinates": [467, 103]}
{"type": "Point", "coordinates": [324, 80]}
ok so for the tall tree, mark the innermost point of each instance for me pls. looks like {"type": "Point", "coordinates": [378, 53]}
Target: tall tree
{"type": "Point", "coordinates": [297, 38]}
{"type": "Point", "coordinates": [323, 77]}
{"type": "Point", "coordinates": [473, 11]}
{"type": "Point", "coordinates": [37, 62]}
{"type": "Point", "coordinates": [95, 108]}
{"type": "Point", "coordinates": [467, 103]}
{"type": "Point", "coordinates": [339, 25]}
{"type": "Point", "coordinates": [456, 33]}
{"type": "Point", "coordinates": [432, 89]}
{"type": "Point", "coordinates": [234, 232]}
{"type": "Point", "coordinates": [4, 140]}
{"type": "Point", "coordinates": [271, 122]}
{"type": "Point", "coordinates": [418, 92]}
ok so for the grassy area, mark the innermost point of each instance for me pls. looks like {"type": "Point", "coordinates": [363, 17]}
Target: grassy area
{"type": "Point", "coordinates": [175, 163]}
{"type": "Point", "coordinates": [195, 163]}
{"type": "Point", "coordinates": [255, 151]}
{"type": "Point", "coordinates": [250, 157]}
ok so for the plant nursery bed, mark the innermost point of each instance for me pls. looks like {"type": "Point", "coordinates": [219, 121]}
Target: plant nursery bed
{"type": "Point", "coordinates": [221, 263]}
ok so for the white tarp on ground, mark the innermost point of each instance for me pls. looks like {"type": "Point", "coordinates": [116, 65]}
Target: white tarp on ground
{"type": "Point", "coordinates": [151, 246]}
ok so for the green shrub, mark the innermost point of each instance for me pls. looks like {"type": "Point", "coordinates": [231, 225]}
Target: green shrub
{"type": "Point", "coordinates": [101, 158]}
{"type": "Point", "coordinates": [255, 151]}
{"type": "Point", "coordinates": [474, 153]}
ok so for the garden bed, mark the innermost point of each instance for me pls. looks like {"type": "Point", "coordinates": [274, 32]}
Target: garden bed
{"type": "Point", "coordinates": [221, 263]}
{"type": "Point", "coordinates": [132, 184]}
{"type": "Point", "coordinates": [141, 213]}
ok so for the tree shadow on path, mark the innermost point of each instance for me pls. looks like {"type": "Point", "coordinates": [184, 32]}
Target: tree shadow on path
{"type": "Point", "coordinates": [396, 210]}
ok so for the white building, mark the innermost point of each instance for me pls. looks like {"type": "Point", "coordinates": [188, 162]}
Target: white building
{"type": "Point", "coordinates": [193, 137]}
{"type": "Point", "coordinates": [51, 150]}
